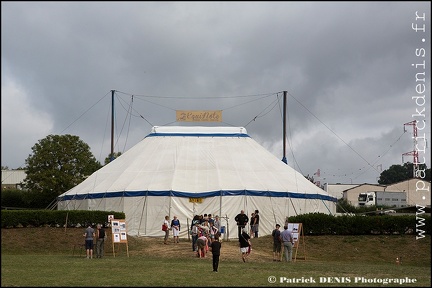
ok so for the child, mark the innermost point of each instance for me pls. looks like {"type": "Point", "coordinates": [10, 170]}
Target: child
{"type": "Point", "coordinates": [215, 248]}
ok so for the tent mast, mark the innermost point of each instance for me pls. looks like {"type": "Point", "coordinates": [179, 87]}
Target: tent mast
{"type": "Point", "coordinates": [112, 126]}
{"type": "Point", "coordinates": [284, 127]}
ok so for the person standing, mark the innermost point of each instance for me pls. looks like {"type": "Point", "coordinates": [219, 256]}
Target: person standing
{"type": "Point", "coordinates": [100, 241]}
{"type": "Point", "coordinates": [252, 231]}
{"type": "Point", "coordinates": [205, 218]}
{"type": "Point", "coordinates": [287, 240]}
{"type": "Point", "coordinates": [242, 220]}
{"type": "Point", "coordinates": [175, 226]}
{"type": "Point", "coordinates": [217, 223]}
{"type": "Point", "coordinates": [277, 243]}
{"type": "Point", "coordinates": [215, 248]}
{"type": "Point", "coordinates": [205, 227]}
{"type": "Point", "coordinates": [195, 220]}
{"type": "Point", "coordinates": [166, 229]}
{"type": "Point", "coordinates": [89, 234]}
{"type": "Point", "coordinates": [244, 243]}
{"type": "Point", "coordinates": [210, 219]}
{"type": "Point", "coordinates": [256, 223]}
{"type": "Point", "coordinates": [213, 232]}
{"type": "Point", "coordinates": [195, 232]}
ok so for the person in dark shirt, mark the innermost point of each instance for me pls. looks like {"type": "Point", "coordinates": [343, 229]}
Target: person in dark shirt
{"type": "Point", "coordinates": [252, 220]}
{"type": "Point", "coordinates": [100, 241]}
{"type": "Point", "coordinates": [215, 248]}
{"type": "Point", "coordinates": [277, 243]}
{"type": "Point", "coordinates": [244, 244]}
{"type": "Point", "coordinates": [256, 223]}
{"type": "Point", "coordinates": [241, 219]}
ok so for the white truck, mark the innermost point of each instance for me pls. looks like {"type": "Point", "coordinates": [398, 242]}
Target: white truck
{"type": "Point", "coordinates": [382, 198]}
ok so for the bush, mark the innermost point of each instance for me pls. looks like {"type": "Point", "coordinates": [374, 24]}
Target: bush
{"type": "Point", "coordinates": [24, 199]}
{"type": "Point", "coordinates": [13, 198]}
{"type": "Point", "coordinates": [37, 218]}
{"type": "Point", "coordinates": [323, 224]}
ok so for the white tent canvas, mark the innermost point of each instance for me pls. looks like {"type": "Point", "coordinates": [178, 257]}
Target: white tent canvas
{"type": "Point", "coordinates": [185, 171]}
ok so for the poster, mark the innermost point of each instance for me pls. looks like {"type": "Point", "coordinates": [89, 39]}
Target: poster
{"type": "Point", "coordinates": [294, 228]}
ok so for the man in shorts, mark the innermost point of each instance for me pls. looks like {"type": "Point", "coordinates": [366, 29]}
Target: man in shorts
{"type": "Point", "coordinates": [244, 244]}
{"type": "Point", "coordinates": [89, 234]}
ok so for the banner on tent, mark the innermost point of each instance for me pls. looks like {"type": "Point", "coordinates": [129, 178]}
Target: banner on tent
{"type": "Point", "coordinates": [195, 200]}
{"type": "Point", "coordinates": [199, 115]}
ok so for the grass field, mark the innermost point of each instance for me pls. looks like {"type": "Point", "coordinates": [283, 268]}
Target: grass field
{"type": "Point", "coordinates": [46, 257]}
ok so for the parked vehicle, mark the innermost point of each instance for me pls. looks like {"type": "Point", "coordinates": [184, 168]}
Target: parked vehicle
{"type": "Point", "coordinates": [383, 198]}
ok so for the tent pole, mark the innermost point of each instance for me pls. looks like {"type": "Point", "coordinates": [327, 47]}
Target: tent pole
{"type": "Point", "coordinates": [220, 204]}
{"type": "Point", "coordinates": [112, 126]}
{"type": "Point", "coordinates": [142, 213]}
{"type": "Point", "coordinates": [67, 214]}
{"type": "Point", "coordinates": [284, 126]}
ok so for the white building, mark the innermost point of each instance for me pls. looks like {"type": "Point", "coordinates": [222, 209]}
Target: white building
{"type": "Point", "coordinates": [11, 179]}
{"type": "Point", "coordinates": [336, 190]}
{"type": "Point", "coordinates": [417, 191]}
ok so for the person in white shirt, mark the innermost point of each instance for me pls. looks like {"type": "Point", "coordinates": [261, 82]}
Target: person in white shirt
{"type": "Point", "coordinates": [167, 228]}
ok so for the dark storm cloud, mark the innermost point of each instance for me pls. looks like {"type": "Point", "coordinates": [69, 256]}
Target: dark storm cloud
{"type": "Point", "coordinates": [346, 67]}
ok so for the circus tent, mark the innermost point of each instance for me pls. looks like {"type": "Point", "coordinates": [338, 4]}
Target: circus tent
{"type": "Point", "coordinates": [184, 171]}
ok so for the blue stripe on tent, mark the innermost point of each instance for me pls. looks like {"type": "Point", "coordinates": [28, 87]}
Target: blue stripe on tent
{"type": "Point", "coordinates": [199, 134]}
{"type": "Point", "coordinates": [99, 195]}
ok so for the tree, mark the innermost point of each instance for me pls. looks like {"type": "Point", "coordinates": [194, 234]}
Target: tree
{"type": "Point", "coordinates": [58, 163]}
{"type": "Point", "coordinates": [310, 178]}
{"type": "Point", "coordinates": [7, 168]}
{"type": "Point", "coordinates": [398, 173]}
{"type": "Point", "coordinates": [108, 159]}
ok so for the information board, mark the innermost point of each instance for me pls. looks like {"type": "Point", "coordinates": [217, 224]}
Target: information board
{"type": "Point", "coordinates": [119, 233]}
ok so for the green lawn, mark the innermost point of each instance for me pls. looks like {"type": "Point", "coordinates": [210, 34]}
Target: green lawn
{"type": "Point", "coordinates": [65, 270]}
{"type": "Point", "coordinates": [44, 257]}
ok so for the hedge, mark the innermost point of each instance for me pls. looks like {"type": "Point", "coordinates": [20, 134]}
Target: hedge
{"type": "Point", "coordinates": [323, 224]}
{"type": "Point", "coordinates": [55, 218]}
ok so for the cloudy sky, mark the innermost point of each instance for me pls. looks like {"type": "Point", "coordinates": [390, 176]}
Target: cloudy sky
{"type": "Point", "coordinates": [349, 70]}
